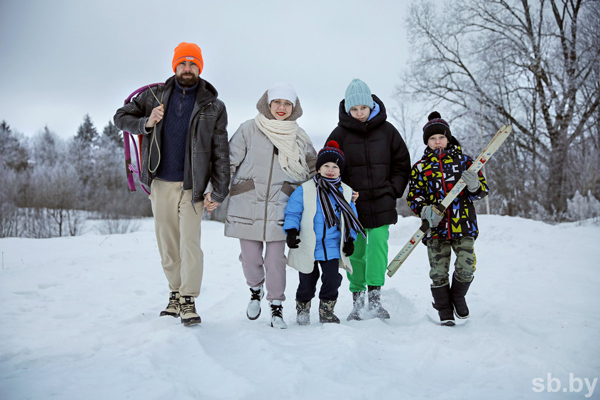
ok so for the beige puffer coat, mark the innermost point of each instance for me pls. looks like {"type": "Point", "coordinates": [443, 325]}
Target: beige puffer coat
{"type": "Point", "coordinates": [259, 187]}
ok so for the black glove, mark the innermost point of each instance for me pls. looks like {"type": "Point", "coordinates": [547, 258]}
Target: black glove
{"type": "Point", "coordinates": [348, 248]}
{"type": "Point", "coordinates": [292, 238]}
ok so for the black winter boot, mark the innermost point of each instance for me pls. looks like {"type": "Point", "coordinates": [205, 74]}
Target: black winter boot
{"type": "Point", "coordinates": [326, 314]}
{"type": "Point", "coordinates": [443, 304]}
{"type": "Point", "coordinates": [458, 291]}
{"type": "Point", "coordinates": [303, 310]}
{"type": "Point", "coordinates": [358, 303]}
{"type": "Point", "coordinates": [375, 303]}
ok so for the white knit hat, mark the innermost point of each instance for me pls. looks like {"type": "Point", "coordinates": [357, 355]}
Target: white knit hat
{"type": "Point", "coordinates": [282, 90]}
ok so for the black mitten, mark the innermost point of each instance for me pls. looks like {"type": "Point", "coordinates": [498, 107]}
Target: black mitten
{"type": "Point", "coordinates": [348, 248]}
{"type": "Point", "coordinates": [292, 238]}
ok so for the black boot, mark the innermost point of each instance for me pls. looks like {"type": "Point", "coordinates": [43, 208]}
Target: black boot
{"type": "Point", "coordinates": [358, 303]}
{"type": "Point", "coordinates": [375, 303]}
{"type": "Point", "coordinates": [443, 304]}
{"type": "Point", "coordinates": [458, 291]}
{"type": "Point", "coordinates": [303, 312]}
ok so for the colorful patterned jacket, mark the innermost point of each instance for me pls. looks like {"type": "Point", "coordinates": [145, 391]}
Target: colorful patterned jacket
{"type": "Point", "coordinates": [432, 177]}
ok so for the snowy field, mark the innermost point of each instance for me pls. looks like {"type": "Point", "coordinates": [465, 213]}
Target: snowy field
{"type": "Point", "coordinates": [80, 321]}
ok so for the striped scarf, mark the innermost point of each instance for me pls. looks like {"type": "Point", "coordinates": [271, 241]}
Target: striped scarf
{"type": "Point", "coordinates": [326, 187]}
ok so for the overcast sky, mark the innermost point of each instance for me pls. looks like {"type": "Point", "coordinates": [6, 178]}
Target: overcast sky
{"type": "Point", "coordinates": [62, 59]}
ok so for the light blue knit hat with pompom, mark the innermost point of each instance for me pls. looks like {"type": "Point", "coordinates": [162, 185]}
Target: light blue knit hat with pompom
{"type": "Point", "coordinates": [357, 94]}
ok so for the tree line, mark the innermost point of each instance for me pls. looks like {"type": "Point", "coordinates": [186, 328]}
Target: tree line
{"type": "Point", "coordinates": [50, 186]}
{"type": "Point", "coordinates": [481, 63]}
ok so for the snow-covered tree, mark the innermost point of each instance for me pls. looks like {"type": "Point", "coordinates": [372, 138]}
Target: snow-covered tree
{"type": "Point", "coordinates": [47, 149]}
{"type": "Point", "coordinates": [531, 64]}
{"type": "Point", "coordinates": [583, 208]}
{"type": "Point", "coordinates": [82, 150]}
{"type": "Point", "coordinates": [87, 132]}
{"type": "Point", "coordinates": [13, 153]}
{"type": "Point", "coordinates": [111, 134]}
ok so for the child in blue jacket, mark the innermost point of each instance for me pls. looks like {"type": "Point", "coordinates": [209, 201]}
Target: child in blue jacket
{"type": "Point", "coordinates": [321, 226]}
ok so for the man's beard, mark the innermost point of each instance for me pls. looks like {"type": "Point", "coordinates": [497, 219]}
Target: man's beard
{"type": "Point", "coordinates": [187, 80]}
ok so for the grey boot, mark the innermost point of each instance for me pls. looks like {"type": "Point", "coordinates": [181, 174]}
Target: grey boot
{"type": "Point", "coordinates": [303, 310]}
{"type": "Point", "coordinates": [458, 291]}
{"type": "Point", "coordinates": [375, 303]}
{"type": "Point", "coordinates": [326, 314]}
{"type": "Point", "coordinates": [358, 303]}
{"type": "Point", "coordinates": [443, 304]}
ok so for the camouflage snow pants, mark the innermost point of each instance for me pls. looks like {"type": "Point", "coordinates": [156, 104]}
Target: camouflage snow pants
{"type": "Point", "coordinates": [439, 251]}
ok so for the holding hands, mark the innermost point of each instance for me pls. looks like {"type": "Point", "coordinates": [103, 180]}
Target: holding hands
{"type": "Point", "coordinates": [209, 204]}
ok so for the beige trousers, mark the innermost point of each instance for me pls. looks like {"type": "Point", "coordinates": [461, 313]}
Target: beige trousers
{"type": "Point", "coordinates": [177, 228]}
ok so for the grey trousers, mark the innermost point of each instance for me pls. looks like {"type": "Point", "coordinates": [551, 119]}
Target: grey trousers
{"type": "Point", "coordinates": [177, 228]}
{"type": "Point", "coordinates": [269, 270]}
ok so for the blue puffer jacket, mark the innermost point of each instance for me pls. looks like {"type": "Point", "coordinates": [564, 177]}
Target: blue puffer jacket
{"type": "Point", "coordinates": [328, 239]}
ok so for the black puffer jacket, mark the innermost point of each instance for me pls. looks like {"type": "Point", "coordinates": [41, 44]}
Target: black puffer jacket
{"type": "Point", "coordinates": [207, 149]}
{"type": "Point", "coordinates": [377, 165]}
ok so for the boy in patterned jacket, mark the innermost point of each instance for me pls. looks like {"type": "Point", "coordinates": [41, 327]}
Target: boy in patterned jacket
{"type": "Point", "coordinates": [432, 177]}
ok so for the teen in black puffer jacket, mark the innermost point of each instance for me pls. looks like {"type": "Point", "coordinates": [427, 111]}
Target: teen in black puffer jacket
{"type": "Point", "coordinates": [378, 168]}
{"type": "Point", "coordinates": [377, 164]}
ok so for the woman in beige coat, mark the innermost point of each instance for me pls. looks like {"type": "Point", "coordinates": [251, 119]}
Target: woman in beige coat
{"type": "Point", "coordinates": [270, 157]}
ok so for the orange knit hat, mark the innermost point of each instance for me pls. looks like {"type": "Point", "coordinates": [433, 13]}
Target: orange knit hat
{"type": "Point", "coordinates": [188, 52]}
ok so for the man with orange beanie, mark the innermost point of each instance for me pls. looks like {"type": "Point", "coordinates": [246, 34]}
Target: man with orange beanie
{"type": "Point", "coordinates": [185, 162]}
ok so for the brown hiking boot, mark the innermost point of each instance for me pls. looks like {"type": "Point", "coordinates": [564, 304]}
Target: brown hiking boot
{"type": "Point", "coordinates": [173, 306]}
{"type": "Point", "coordinates": [188, 311]}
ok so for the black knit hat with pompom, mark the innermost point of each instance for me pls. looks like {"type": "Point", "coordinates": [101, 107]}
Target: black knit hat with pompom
{"type": "Point", "coordinates": [436, 125]}
{"type": "Point", "coordinates": [331, 153]}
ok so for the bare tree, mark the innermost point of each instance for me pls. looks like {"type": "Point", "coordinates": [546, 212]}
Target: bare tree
{"type": "Point", "coordinates": [531, 64]}
{"type": "Point", "coordinates": [56, 192]}
{"type": "Point", "coordinates": [9, 216]}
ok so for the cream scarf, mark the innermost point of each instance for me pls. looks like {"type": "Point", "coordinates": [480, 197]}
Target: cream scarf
{"type": "Point", "coordinates": [290, 140]}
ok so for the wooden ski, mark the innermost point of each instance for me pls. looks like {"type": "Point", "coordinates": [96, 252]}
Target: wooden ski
{"type": "Point", "coordinates": [478, 163]}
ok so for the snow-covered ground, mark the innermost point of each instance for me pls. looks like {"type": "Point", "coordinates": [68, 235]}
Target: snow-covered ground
{"type": "Point", "coordinates": [79, 320]}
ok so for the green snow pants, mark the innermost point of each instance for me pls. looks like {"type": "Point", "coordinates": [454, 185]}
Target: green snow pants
{"type": "Point", "coordinates": [370, 259]}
